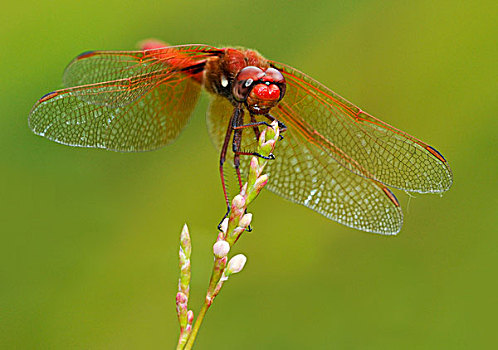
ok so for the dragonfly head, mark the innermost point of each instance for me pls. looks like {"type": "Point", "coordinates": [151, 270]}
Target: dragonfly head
{"type": "Point", "coordinates": [259, 90]}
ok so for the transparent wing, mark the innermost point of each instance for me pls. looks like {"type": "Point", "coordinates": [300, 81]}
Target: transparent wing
{"type": "Point", "coordinates": [304, 173]}
{"type": "Point", "coordinates": [217, 118]}
{"type": "Point", "coordinates": [130, 101]}
{"type": "Point", "coordinates": [128, 121]}
{"type": "Point", "coordinates": [359, 142]}
{"type": "Point", "coordinates": [99, 66]}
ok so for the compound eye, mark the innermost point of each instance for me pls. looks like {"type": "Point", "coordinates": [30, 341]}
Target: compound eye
{"type": "Point", "coordinates": [244, 82]}
{"type": "Point", "coordinates": [274, 75]}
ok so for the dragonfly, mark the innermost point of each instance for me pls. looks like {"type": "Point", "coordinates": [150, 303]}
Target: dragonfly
{"type": "Point", "coordinates": [334, 157]}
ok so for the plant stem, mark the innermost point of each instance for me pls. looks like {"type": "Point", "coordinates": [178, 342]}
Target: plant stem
{"type": "Point", "coordinates": [238, 221]}
{"type": "Point", "coordinates": [197, 325]}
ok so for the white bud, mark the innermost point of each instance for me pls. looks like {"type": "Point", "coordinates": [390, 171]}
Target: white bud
{"type": "Point", "coordinates": [246, 220]}
{"type": "Point", "coordinates": [238, 201]}
{"type": "Point", "coordinates": [236, 264]}
{"type": "Point", "coordinates": [221, 249]}
{"type": "Point", "coordinates": [224, 225]}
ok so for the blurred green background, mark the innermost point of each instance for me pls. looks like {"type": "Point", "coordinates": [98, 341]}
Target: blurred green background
{"type": "Point", "coordinates": [89, 238]}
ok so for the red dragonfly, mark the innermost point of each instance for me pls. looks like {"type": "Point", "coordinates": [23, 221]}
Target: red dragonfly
{"type": "Point", "coordinates": [334, 158]}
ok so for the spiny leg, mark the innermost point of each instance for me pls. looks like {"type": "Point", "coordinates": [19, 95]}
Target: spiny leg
{"type": "Point", "coordinates": [223, 154]}
{"type": "Point", "coordinates": [254, 124]}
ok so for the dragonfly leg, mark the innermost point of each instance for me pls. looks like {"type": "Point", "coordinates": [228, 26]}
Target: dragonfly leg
{"type": "Point", "coordinates": [270, 157]}
{"type": "Point", "coordinates": [223, 154]}
{"type": "Point", "coordinates": [281, 126]}
{"type": "Point", "coordinates": [252, 124]}
{"type": "Point", "coordinates": [223, 218]}
{"type": "Point", "coordinates": [236, 119]}
{"type": "Point", "coordinates": [237, 139]}
{"type": "Point", "coordinates": [257, 133]}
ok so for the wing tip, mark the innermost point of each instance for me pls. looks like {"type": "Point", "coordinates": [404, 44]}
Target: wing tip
{"type": "Point", "coordinates": [48, 96]}
{"type": "Point", "coordinates": [31, 123]}
{"type": "Point", "coordinates": [85, 54]}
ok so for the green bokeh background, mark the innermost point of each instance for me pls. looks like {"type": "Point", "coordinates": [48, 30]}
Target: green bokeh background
{"type": "Point", "coordinates": [88, 258]}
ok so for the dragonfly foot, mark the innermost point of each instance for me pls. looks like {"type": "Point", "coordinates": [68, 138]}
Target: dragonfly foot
{"type": "Point", "coordinates": [223, 218]}
{"type": "Point", "coordinates": [270, 156]}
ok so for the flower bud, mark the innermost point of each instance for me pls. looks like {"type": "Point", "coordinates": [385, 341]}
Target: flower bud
{"type": "Point", "coordinates": [221, 249]}
{"type": "Point", "coordinates": [224, 225]}
{"type": "Point", "coordinates": [254, 170]}
{"type": "Point", "coordinates": [273, 132]}
{"type": "Point", "coordinates": [185, 242]}
{"type": "Point", "coordinates": [181, 298]}
{"type": "Point", "coordinates": [246, 220]}
{"type": "Point", "coordinates": [236, 264]}
{"type": "Point", "coordinates": [181, 309]}
{"type": "Point", "coordinates": [261, 182]}
{"type": "Point", "coordinates": [238, 202]}
{"type": "Point", "coordinates": [190, 316]}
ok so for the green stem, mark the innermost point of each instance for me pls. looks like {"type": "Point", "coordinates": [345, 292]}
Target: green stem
{"type": "Point", "coordinates": [181, 342]}
{"type": "Point", "coordinates": [197, 325]}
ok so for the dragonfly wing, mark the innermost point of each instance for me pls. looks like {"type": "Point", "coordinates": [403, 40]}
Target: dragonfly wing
{"type": "Point", "coordinates": [126, 100]}
{"type": "Point", "coordinates": [305, 174]}
{"type": "Point", "coordinates": [359, 142]}
{"type": "Point", "coordinates": [99, 66]}
{"type": "Point", "coordinates": [217, 118]}
{"type": "Point", "coordinates": [119, 115]}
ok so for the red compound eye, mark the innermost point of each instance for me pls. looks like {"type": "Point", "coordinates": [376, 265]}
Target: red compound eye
{"type": "Point", "coordinates": [266, 92]}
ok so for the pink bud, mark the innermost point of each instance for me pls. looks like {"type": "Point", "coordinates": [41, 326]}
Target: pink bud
{"type": "Point", "coordinates": [221, 249]}
{"type": "Point", "coordinates": [238, 202]}
{"type": "Point", "coordinates": [223, 261]}
{"type": "Point", "coordinates": [254, 165]}
{"type": "Point", "coordinates": [190, 316]}
{"type": "Point", "coordinates": [181, 298]}
{"type": "Point", "coordinates": [261, 182]}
